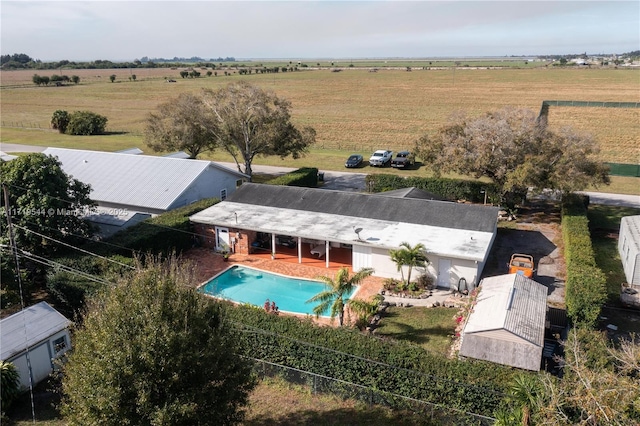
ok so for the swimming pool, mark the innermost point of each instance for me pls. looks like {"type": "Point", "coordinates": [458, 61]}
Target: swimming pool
{"type": "Point", "coordinates": [248, 285]}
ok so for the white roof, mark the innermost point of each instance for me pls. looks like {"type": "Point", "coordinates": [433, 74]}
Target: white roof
{"type": "Point", "coordinates": [143, 181]}
{"type": "Point", "coordinates": [458, 243]}
{"type": "Point", "coordinates": [28, 327]}
{"type": "Point", "coordinates": [113, 216]}
{"type": "Point", "coordinates": [7, 157]}
{"type": "Point", "coordinates": [511, 302]}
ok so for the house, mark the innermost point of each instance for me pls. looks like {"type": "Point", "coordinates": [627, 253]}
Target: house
{"type": "Point", "coordinates": [629, 248]}
{"type": "Point", "coordinates": [458, 237]}
{"type": "Point", "coordinates": [125, 186]}
{"type": "Point", "coordinates": [35, 336]}
{"type": "Point", "coordinates": [507, 322]}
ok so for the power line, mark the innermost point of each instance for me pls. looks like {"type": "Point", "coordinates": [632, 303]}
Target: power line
{"type": "Point", "coordinates": [146, 222]}
{"type": "Point", "coordinates": [65, 268]}
{"type": "Point", "coordinates": [74, 247]}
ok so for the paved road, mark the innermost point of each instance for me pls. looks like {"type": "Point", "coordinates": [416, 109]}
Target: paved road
{"type": "Point", "coordinates": [353, 181]}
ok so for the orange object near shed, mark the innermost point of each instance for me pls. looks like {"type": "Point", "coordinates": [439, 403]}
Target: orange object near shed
{"type": "Point", "coordinates": [522, 264]}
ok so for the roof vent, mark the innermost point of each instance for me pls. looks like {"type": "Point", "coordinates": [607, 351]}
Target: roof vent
{"type": "Point", "coordinates": [511, 293]}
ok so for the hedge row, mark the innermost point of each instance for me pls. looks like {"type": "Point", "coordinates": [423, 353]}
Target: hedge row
{"type": "Point", "coordinates": [306, 176]}
{"type": "Point", "coordinates": [165, 233]}
{"type": "Point", "coordinates": [384, 365]}
{"type": "Point", "coordinates": [450, 189]}
{"type": "Point", "coordinates": [585, 288]}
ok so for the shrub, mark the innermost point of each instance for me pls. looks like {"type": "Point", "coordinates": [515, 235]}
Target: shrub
{"type": "Point", "coordinates": [9, 384]}
{"type": "Point", "coordinates": [163, 234]}
{"type": "Point", "coordinates": [450, 189]}
{"type": "Point", "coordinates": [60, 120]}
{"type": "Point", "coordinates": [586, 283]}
{"type": "Point", "coordinates": [306, 176]}
{"type": "Point", "coordinates": [86, 123]}
{"type": "Point", "coordinates": [387, 366]}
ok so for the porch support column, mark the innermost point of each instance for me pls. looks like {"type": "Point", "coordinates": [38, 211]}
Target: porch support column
{"type": "Point", "coordinates": [326, 250]}
{"type": "Point", "coordinates": [273, 246]}
{"type": "Point", "coordinates": [299, 249]}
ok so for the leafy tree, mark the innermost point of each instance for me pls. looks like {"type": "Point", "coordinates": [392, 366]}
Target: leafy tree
{"type": "Point", "coordinates": [86, 123]}
{"type": "Point", "coordinates": [43, 201]}
{"type": "Point", "coordinates": [253, 122]}
{"type": "Point", "coordinates": [40, 80]}
{"type": "Point", "coordinates": [182, 124]}
{"type": "Point", "coordinates": [334, 296]}
{"type": "Point", "coordinates": [9, 385]}
{"type": "Point", "coordinates": [184, 74]}
{"type": "Point", "coordinates": [75, 79]}
{"type": "Point", "coordinates": [153, 351]}
{"type": "Point", "coordinates": [516, 151]}
{"type": "Point", "coordinates": [409, 256]}
{"type": "Point", "coordinates": [60, 120]}
{"type": "Point", "coordinates": [112, 78]}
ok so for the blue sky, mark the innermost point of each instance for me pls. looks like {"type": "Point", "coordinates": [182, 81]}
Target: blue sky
{"type": "Point", "coordinates": [127, 30]}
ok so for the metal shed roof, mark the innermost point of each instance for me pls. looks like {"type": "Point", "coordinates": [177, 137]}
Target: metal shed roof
{"type": "Point", "coordinates": [334, 215]}
{"type": "Point", "coordinates": [28, 327]}
{"type": "Point", "coordinates": [143, 181]}
{"type": "Point", "coordinates": [511, 302]}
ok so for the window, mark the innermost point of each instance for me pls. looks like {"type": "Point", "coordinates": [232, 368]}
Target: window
{"type": "Point", "coordinates": [60, 344]}
{"type": "Point", "coordinates": [238, 183]}
{"type": "Point", "coordinates": [223, 194]}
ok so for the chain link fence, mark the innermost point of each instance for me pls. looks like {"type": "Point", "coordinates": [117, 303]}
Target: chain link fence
{"type": "Point", "coordinates": [439, 414]}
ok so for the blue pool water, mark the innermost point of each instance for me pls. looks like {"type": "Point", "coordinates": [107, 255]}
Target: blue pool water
{"type": "Point", "coordinates": [248, 285]}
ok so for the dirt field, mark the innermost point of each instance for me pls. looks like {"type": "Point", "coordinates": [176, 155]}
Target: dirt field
{"type": "Point", "coordinates": [351, 110]}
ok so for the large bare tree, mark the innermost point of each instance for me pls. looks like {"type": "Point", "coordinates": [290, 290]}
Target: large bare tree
{"type": "Point", "coordinates": [182, 124]}
{"type": "Point", "coordinates": [516, 151]}
{"type": "Point", "coordinates": [253, 122]}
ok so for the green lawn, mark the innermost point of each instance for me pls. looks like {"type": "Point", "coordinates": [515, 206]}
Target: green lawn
{"type": "Point", "coordinates": [431, 328]}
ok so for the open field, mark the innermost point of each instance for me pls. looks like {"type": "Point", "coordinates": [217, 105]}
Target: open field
{"type": "Point", "coordinates": [352, 111]}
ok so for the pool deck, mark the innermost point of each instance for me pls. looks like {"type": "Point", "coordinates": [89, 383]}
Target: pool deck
{"type": "Point", "coordinates": [208, 264]}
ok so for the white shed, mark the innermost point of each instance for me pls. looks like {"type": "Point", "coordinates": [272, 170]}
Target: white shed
{"type": "Point", "coordinates": [40, 331]}
{"type": "Point", "coordinates": [629, 248]}
{"type": "Point", "coordinates": [507, 322]}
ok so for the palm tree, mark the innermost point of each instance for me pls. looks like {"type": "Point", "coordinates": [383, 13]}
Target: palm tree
{"type": "Point", "coordinates": [338, 288]}
{"type": "Point", "coordinates": [398, 257]}
{"type": "Point", "coordinates": [525, 392]}
{"type": "Point", "coordinates": [412, 257]}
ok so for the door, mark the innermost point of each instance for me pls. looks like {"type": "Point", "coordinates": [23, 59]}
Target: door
{"type": "Point", "coordinates": [222, 239]}
{"type": "Point", "coordinates": [444, 273]}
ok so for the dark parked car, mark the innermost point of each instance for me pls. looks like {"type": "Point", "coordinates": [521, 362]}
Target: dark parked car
{"type": "Point", "coordinates": [355, 160]}
{"type": "Point", "coordinates": [403, 160]}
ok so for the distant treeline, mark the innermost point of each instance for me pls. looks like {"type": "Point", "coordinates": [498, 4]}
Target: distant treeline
{"type": "Point", "coordinates": [23, 61]}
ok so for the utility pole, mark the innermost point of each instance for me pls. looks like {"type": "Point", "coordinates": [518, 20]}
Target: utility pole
{"type": "Point", "coordinates": [14, 249]}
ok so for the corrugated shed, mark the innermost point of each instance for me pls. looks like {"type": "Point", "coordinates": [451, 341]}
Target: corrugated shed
{"type": "Point", "coordinates": [28, 327]}
{"type": "Point", "coordinates": [142, 181]}
{"type": "Point", "coordinates": [512, 302]}
{"type": "Point", "coordinates": [507, 322]}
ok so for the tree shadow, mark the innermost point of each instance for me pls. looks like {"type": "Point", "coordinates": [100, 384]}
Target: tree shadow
{"type": "Point", "coordinates": [372, 416]}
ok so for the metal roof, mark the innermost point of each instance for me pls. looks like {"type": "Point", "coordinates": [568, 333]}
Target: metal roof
{"type": "Point", "coordinates": [143, 181]}
{"type": "Point", "coordinates": [28, 327]}
{"type": "Point", "coordinates": [510, 302]}
{"type": "Point", "coordinates": [334, 215]}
